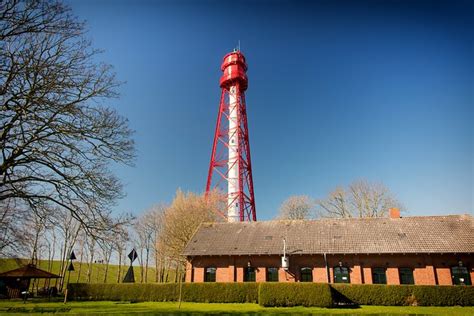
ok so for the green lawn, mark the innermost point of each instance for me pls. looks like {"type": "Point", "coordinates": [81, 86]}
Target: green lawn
{"type": "Point", "coordinates": [97, 275]}
{"type": "Point", "coordinates": [171, 308]}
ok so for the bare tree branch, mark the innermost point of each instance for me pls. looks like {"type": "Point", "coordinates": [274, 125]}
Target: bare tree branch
{"type": "Point", "coordinates": [360, 199]}
{"type": "Point", "coordinates": [297, 207]}
{"type": "Point", "coordinates": [58, 136]}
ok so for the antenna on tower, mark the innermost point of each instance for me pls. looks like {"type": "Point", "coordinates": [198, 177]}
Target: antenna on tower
{"type": "Point", "coordinates": [238, 47]}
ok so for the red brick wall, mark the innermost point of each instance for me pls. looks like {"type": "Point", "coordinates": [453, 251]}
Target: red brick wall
{"type": "Point", "coordinates": [392, 275]}
{"type": "Point", "coordinates": [424, 276]}
{"type": "Point", "coordinates": [240, 274]}
{"type": "Point", "coordinates": [231, 273]}
{"type": "Point", "coordinates": [444, 275]}
{"type": "Point", "coordinates": [285, 276]}
{"type": "Point", "coordinates": [260, 274]}
{"type": "Point", "coordinates": [356, 274]}
{"type": "Point", "coordinates": [427, 269]}
{"type": "Point", "coordinates": [198, 274]}
{"type": "Point", "coordinates": [367, 275]}
{"type": "Point", "coordinates": [320, 275]}
{"type": "Point", "coordinates": [222, 275]}
{"type": "Point", "coordinates": [189, 272]}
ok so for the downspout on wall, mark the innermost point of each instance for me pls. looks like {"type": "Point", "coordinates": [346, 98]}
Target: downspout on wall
{"type": "Point", "coordinates": [327, 268]}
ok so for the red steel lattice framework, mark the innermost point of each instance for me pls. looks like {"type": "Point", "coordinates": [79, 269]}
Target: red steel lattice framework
{"type": "Point", "coordinates": [230, 159]}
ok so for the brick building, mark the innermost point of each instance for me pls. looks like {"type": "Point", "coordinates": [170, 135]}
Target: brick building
{"type": "Point", "coordinates": [396, 250]}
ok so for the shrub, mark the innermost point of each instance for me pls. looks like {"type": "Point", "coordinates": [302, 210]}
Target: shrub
{"type": "Point", "coordinates": [191, 292]}
{"type": "Point", "coordinates": [293, 294]}
{"type": "Point", "coordinates": [427, 295]}
{"type": "Point", "coordinates": [373, 294]}
{"type": "Point", "coordinates": [278, 294]}
{"type": "Point", "coordinates": [396, 295]}
{"type": "Point", "coordinates": [220, 292]}
{"type": "Point", "coordinates": [123, 292]}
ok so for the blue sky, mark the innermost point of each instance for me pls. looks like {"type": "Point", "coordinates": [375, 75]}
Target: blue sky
{"type": "Point", "coordinates": [338, 91]}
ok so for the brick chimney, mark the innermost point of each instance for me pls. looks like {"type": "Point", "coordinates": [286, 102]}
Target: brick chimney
{"type": "Point", "coordinates": [394, 212]}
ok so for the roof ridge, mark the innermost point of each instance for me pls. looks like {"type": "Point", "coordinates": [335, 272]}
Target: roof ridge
{"type": "Point", "coordinates": [336, 219]}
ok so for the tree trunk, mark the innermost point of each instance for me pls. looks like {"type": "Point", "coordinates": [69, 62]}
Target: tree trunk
{"type": "Point", "coordinates": [80, 262]}
{"type": "Point", "coordinates": [91, 259]}
{"type": "Point", "coordinates": [107, 262]}
{"type": "Point", "coordinates": [119, 271]}
{"type": "Point", "coordinates": [146, 265]}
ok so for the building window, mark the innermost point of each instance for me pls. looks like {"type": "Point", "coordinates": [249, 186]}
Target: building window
{"type": "Point", "coordinates": [210, 275]}
{"type": "Point", "coordinates": [341, 275]}
{"type": "Point", "coordinates": [406, 276]}
{"type": "Point", "coordinates": [306, 274]}
{"type": "Point", "coordinates": [249, 274]}
{"type": "Point", "coordinates": [460, 276]}
{"type": "Point", "coordinates": [272, 274]}
{"type": "Point", "coordinates": [379, 276]}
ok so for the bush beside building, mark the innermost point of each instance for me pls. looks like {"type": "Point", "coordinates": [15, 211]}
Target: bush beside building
{"type": "Point", "coordinates": [279, 294]}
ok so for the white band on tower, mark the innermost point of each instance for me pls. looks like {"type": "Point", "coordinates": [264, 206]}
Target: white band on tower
{"type": "Point", "coordinates": [233, 164]}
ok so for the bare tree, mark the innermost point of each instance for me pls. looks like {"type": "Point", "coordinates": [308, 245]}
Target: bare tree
{"type": "Point", "coordinates": [57, 135]}
{"type": "Point", "coordinates": [149, 228]}
{"type": "Point", "coordinates": [155, 218]}
{"type": "Point", "coordinates": [186, 213]}
{"type": "Point", "coordinates": [360, 199]}
{"type": "Point", "coordinates": [91, 247]}
{"type": "Point", "coordinates": [81, 239]}
{"type": "Point", "coordinates": [69, 229]}
{"type": "Point", "coordinates": [107, 246]}
{"type": "Point", "coordinates": [120, 243]}
{"type": "Point", "coordinates": [14, 235]}
{"type": "Point", "coordinates": [336, 204]}
{"type": "Point", "coordinates": [297, 207]}
{"type": "Point", "coordinates": [144, 245]}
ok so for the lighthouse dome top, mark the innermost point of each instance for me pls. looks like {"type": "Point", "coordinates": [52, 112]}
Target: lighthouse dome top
{"type": "Point", "coordinates": [234, 68]}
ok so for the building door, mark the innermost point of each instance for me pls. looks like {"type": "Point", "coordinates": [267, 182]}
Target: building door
{"type": "Point", "coordinates": [341, 275]}
{"type": "Point", "coordinates": [249, 274]}
{"type": "Point", "coordinates": [306, 274]}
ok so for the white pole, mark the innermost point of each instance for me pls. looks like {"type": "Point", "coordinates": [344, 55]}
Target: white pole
{"type": "Point", "coordinates": [233, 164]}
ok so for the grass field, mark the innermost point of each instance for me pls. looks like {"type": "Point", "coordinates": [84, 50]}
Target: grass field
{"type": "Point", "coordinates": [97, 275]}
{"type": "Point", "coordinates": [171, 308]}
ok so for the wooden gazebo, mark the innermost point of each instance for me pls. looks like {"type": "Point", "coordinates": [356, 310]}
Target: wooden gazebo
{"type": "Point", "coordinates": [14, 282]}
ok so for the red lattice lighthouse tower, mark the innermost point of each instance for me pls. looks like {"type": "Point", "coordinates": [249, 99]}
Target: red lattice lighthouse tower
{"type": "Point", "coordinates": [230, 159]}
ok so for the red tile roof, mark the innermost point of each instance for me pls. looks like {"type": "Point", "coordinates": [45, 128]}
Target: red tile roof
{"type": "Point", "coordinates": [421, 234]}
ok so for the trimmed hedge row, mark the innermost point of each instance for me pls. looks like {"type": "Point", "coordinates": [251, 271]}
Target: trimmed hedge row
{"type": "Point", "coordinates": [372, 294]}
{"type": "Point", "coordinates": [279, 294]}
{"type": "Point", "coordinates": [398, 295]}
{"type": "Point", "coordinates": [426, 295]}
{"type": "Point", "coordinates": [191, 292]}
{"type": "Point", "coordinates": [295, 294]}
{"type": "Point", "coordinates": [123, 292]}
{"type": "Point", "coordinates": [220, 292]}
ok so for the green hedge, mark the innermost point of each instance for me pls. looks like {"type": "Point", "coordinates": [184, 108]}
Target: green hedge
{"type": "Point", "coordinates": [373, 294]}
{"type": "Point", "coordinates": [123, 292]}
{"type": "Point", "coordinates": [398, 295]}
{"type": "Point", "coordinates": [220, 292]}
{"type": "Point", "coordinates": [191, 292]}
{"type": "Point", "coordinates": [294, 294]}
{"type": "Point", "coordinates": [443, 295]}
{"type": "Point", "coordinates": [279, 294]}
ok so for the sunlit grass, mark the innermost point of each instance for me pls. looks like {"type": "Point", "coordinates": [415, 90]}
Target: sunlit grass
{"type": "Point", "coordinates": [170, 308]}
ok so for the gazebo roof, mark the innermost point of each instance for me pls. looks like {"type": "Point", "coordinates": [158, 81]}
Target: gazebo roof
{"type": "Point", "coordinates": [29, 272]}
